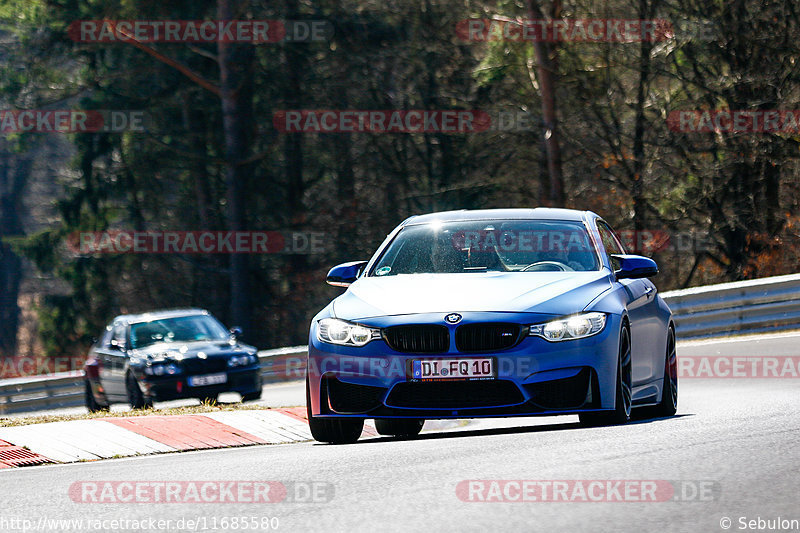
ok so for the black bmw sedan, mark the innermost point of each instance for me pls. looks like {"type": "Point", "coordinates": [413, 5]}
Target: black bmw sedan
{"type": "Point", "coordinates": [167, 355]}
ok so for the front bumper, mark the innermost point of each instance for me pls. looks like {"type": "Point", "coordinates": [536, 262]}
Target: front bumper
{"type": "Point", "coordinates": [535, 377]}
{"type": "Point", "coordinates": [162, 388]}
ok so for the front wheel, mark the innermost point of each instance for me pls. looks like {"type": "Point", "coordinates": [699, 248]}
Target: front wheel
{"type": "Point", "coordinates": [669, 392]}
{"type": "Point", "coordinates": [332, 430]}
{"type": "Point", "coordinates": [401, 427]}
{"type": "Point", "coordinates": [135, 396]}
{"type": "Point", "coordinates": [252, 396]}
{"type": "Point", "coordinates": [623, 398]}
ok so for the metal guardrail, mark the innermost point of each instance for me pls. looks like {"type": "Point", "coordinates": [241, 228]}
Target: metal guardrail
{"type": "Point", "coordinates": [283, 364]}
{"type": "Point", "coordinates": [743, 306]}
{"type": "Point", "coordinates": [739, 307]}
{"type": "Point", "coordinates": [60, 390]}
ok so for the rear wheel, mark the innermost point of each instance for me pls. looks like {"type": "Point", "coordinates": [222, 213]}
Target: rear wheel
{"type": "Point", "coordinates": [135, 396]}
{"type": "Point", "coordinates": [623, 400]}
{"type": "Point", "coordinates": [402, 427]}
{"type": "Point", "coordinates": [669, 393]}
{"type": "Point", "coordinates": [91, 403]}
{"type": "Point", "coordinates": [332, 430]}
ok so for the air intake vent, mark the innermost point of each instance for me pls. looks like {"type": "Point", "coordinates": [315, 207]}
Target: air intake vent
{"type": "Point", "coordinates": [454, 394]}
{"type": "Point", "coordinates": [352, 398]}
{"type": "Point", "coordinates": [195, 365]}
{"type": "Point", "coordinates": [566, 393]}
{"type": "Point", "coordinates": [489, 337]}
{"type": "Point", "coordinates": [422, 338]}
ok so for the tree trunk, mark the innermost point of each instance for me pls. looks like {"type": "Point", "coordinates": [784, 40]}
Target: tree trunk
{"type": "Point", "coordinates": [236, 95]}
{"type": "Point", "coordinates": [545, 73]}
{"type": "Point", "coordinates": [13, 175]}
{"type": "Point", "coordinates": [639, 204]}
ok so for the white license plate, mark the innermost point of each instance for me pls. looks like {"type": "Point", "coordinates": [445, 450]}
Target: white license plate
{"type": "Point", "coordinates": [472, 368]}
{"type": "Point", "coordinates": [208, 379]}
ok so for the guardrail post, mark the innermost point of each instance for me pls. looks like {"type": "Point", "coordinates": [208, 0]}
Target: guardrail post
{"type": "Point", "coordinates": [48, 391]}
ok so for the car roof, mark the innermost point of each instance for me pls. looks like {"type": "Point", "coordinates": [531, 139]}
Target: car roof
{"type": "Point", "coordinates": [538, 213]}
{"type": "Point", "coordinates": [158, 315]}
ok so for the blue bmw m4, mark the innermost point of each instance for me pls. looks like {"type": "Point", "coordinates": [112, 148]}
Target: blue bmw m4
{"type": "Point", "coordinates": [491, 313]}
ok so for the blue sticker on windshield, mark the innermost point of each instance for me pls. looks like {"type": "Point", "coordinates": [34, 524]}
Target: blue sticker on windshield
{"type": "Point", "coordinates": [382, 271]}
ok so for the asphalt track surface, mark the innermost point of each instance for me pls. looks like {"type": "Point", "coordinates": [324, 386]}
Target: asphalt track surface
{"type": "Point", "coordinates": [737, 441]}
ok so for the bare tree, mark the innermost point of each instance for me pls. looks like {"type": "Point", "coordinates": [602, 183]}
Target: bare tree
{"type": "Point", "coordinates": [546, 75]}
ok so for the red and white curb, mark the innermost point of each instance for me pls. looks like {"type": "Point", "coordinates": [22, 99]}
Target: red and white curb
{"type": "Point", "coordinates": [105, 438]}
{"type": "Point", "coordinates": [11, 455]}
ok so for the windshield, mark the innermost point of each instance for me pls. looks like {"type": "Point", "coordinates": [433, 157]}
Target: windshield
{"type": "Point", "coordinates": [178, 329]}
{"type": "Point", "coordinates": [489, 246]}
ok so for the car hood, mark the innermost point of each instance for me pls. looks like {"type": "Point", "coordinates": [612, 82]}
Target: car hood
{"type": "Point", "coordinates": [188, 350]}
{"type": "Point", "coordinates": [558, 293]}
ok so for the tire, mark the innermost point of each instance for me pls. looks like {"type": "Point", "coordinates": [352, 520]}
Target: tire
{"type": "Point", "coordinates": [332, 430]}
{"type": "Point", "coordinates": [136, 398]}
{"type": "Point", "coordinates": [669, 391]}
{"type": "Point", "coordinates": [91, 402]}
{"type": "Point", "coordinates": [623, 398]}
{"type": "Point", "coordinates": [252, 396]}
{"type": "Point", "coordinates": [402, 427]}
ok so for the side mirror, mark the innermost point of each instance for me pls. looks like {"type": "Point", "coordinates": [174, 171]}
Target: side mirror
{"type": "Point", "coordinates": [345, 274]}
{"type": "Point", "coordinates": [634, 266]}
{"type": "Point", "coordinates": [236, 332]}
{"type": "Point", "coordinates": [116, 345]}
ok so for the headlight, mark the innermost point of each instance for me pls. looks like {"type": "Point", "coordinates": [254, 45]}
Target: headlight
{"type": "Point", "coordinates": [242, 360]}
{"type": "Point", "coordinates": [571, 327]}
{"type": "Point", "coordinates": [337, 331]}
{"type": "Point", "coordinates": [160, 369]}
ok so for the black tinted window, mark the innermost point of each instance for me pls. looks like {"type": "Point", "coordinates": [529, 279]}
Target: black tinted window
{"type": "Point", "coordinates": [178, 329]}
